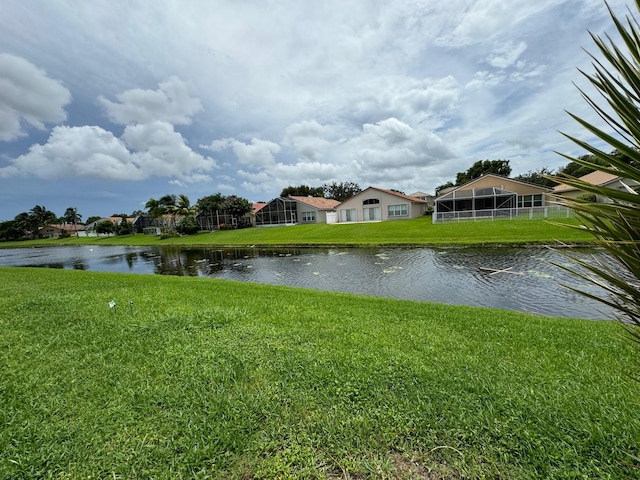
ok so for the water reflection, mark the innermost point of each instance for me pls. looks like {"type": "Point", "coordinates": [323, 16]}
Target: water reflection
{"type": "Point", "coordinates": [511, 278]}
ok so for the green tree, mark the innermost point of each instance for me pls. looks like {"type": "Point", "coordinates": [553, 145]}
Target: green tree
{"type": "Point", "coordinates": [183, 206]}
{"type": "Point", "coordinates": [105, 226]}
{"type": "Point", "coordinates": [10, 230]}
{"type": "Point", "coordinates": [541, 176]}
{"type": "Point", "coordinates": [443, 186]}
{"type": "Point", "coordinates": [154, 208]}
{"type": "Point", "coordinates": [615, 224]}
{"type": "Point", "coordinates": [41, 216]}
{"type": "Point", "coordinates": [93, 218]}
{"type": "Point", "coordinates": [340, 191]}
{"type": "Point", "coordinates": [482, 167]}
{"type": "Point", "coordinates": [302, 191]}
{"type": "Point", "coordinates": [237, 207]}
{"type": "Point", "coordinates": [71, 216]}
{"type": "Point", "coordinates": [125, 227]}
{"type": "Point", "coordinates": [209, 210]}
{"type": "Point", "coordinates": [26, 223]}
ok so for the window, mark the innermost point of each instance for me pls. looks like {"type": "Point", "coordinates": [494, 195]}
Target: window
{"type": "Point", "coordinates": [398, 210]}
{"type": "Point", "coordinates": [309, 216]}
{"type": "Point", "coordinates": [371, 201]}
{"type": "Point", "coordinates": [526, 201]}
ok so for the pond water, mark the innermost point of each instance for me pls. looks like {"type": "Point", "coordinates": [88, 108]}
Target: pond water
{"type": "Point", "coordinates": [446, 275]}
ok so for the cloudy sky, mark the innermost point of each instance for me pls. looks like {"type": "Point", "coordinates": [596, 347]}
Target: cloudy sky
{"type": "Point", "coordinates": [105, 104]}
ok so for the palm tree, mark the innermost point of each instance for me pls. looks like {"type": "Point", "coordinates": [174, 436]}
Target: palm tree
{"type": "Point", "coordinates": [183, 206]}
{"type": "Point", "coordinates": [154, 209]}
{"type": "Point", "coordinates": [26, 224]}
{"type": "Point", "coordinates": [614, 224]}
{"type": "Point", "coordinates": [41, 216]}
{"type": "Point", "coordinates": [168, 202]}
{"type": "Point", "coordinates": [72, 216]}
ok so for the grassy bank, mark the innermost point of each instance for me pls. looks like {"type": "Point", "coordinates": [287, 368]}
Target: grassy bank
{"type": "Point", "coordinates": [418, 231]}
{"type": "Point", "coordinates": [217, 379]}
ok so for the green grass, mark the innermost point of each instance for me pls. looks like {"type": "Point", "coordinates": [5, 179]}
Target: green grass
{"type": "Point", "coordinates": [202, 378]}
{"type": "Point", "coordinates": [419, 231]}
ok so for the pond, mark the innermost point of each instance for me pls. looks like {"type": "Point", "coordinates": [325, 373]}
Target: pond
{"type": "Point", "coordinates": [461, 276]}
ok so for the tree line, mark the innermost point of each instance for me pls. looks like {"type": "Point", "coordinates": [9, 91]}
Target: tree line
{"type": "Point", "coordinates": [339, 191]}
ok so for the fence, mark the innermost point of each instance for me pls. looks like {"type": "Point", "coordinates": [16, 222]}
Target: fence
{"type": "Point", "coordinates": [531, 213]}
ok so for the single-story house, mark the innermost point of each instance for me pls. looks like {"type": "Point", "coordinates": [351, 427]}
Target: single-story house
{"type": "Point", "coordinates": [489, 195]}
{"type": "Point", "coordinates": [601, 179]}
{"type": "Point", "coordinates": [376, 204]}
{"type": "Point", "coordinates": [295, 209]}
{"type": "Point", "coordinates": [315, 209]}
{"type": "Point", "coordinates": [60, 230]}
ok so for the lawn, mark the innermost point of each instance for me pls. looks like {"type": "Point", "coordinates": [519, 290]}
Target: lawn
{"type": "Point", "coordinates": [200, 378]}
{"type": "Point", "coordinates": [417, 232]}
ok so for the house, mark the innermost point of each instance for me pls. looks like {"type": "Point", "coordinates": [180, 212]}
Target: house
{"type": "Point", "coordinates": [90, 228]}
{"type": "Point", "coordinates": [377, 204]}
{"type": "Point", "coordinates": [315, 209]}
{"type": "Point", "coordinates": [430, 199]}
{"type": "Point", "coordinates": [60, 230]}
{"type": "Point", "coordinates": [292, 210]}
{"type": "Point", "coordinates": [488, 196]}
{"type": "Point", "coordinates": [601, 179]}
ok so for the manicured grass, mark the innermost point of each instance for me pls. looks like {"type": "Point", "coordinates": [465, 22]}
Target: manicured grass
{"type": "Point", "coordinates": [418, 231]}
{"type": "Point", "coordinates": [200, 378]}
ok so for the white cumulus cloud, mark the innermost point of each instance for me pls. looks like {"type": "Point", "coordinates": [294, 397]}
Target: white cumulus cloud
{"type": "Point", "coordinates": [28, 95]}
{"type": "Point", "coordinates": [171, 103]}
{"type": "Point", "coordinates": [90, 151]}
{"type": "Point", "coordinates": [258, 153]}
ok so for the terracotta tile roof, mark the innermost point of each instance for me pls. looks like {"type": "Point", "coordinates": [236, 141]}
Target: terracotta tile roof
{"type": "Point", "coordinates": [401, 195]}
{"type": "Point", "coordinates": [258, 206]}
{"type": "Point", "coordinates": [69, 227]}
{"type": "Point", "coordinates": [594, 178]}
{"type": "Point", "coordinates": [317, 202]}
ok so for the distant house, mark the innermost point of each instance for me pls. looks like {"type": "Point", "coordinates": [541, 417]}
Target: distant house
{"type": "Point", "coordinates": [60, 230]}
{"type": "Point", "coordinates": [90, 228]}
{"type": "Point", "coordinates": [293, 210]}
{"type": "Point", "coordinates": [489, 196]}
{"type": "Point", "coordinates": [598, 178]}
{"type": "Point", "coordinates": [377, 204]}
{"type": "Point", "coordinates": [430, 199]}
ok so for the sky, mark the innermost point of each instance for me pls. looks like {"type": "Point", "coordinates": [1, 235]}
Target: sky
{"type": "Point", "coordinates": [106, 104]}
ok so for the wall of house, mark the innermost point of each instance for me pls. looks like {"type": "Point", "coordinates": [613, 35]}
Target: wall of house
{"type": "Point", "coordinates": [302, 208]}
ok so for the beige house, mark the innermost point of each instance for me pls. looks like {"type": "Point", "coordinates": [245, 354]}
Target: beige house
{"type": "Point", "coordinates": [376, 204]}
{"type": "Point", "coordinates": [315, 209]}
{"type": "Point", "coordinates": [601, 179]}
{"type": "Point", "coordinates": [488, 196]}
{"type": "Point", "coordinates": [430, 199]}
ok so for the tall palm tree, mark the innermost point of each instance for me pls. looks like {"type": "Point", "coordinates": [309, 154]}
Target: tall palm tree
{"type": "Point", "coordinates": [72, 216]}
{"type": "Point", "coordinates": [183, 206]}
{"type": "Point", "coordinates": [614, 224]}
{"type": "Point", "coordinates": [154, 209]}
{"type": "Point", "coordinates": [168, 202]}
{"type": "Point", "coordinates": [41, 216]}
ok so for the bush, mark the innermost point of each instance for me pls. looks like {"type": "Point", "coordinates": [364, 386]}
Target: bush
{"type": "Point", "coordinates": [187, 226]}
{"type": "Point", "coordinates": [169, 234]}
